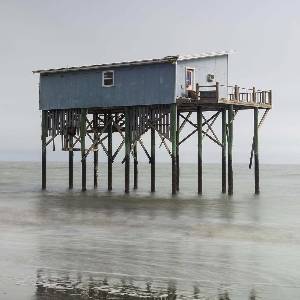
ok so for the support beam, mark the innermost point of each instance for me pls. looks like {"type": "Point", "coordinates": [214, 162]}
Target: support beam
{"type": "Point", "coordinates": [256, 157]}
{"type": "Point", "coordinates": [230, 142]}
{"type": "Point", "coordinates": [224, 150]}
{"type": "Point", "coordinates": [109, 151]}
{"type": "Point", "coordinates": [177, 150]}
{"type": "Point", "coordinates": [44, 149]}
{"type": "Point", "coordinates": [127, 150]}
{"type": "Point", "coordinates": [152, 159]}
{"type": "Point", "coordinates": [173, 117]}
{"type": "Point", "coordinates": [199, 128]}
{"type": "Point", "coordinates": [82, 140]}
{"type": "Point", "coordinates": [96, 155]}
{"type": "Point", "coordinates": [71, 163]}
{"type": "Point", "coordinates": [135, 167]}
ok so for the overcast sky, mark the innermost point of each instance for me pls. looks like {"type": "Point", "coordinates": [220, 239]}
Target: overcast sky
{"type": "Point", "coordinates": [45, 34]}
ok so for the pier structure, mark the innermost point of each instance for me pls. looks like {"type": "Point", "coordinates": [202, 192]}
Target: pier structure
{"type": "Point", "coordinates": [87, 106]}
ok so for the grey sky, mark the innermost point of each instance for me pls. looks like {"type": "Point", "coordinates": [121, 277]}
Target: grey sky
{"type": "Point", "coordinates": [44, 34]}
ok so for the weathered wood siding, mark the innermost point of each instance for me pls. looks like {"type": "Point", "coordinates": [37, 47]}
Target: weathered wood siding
{"type": "Point", "coordinates": [133, 85]}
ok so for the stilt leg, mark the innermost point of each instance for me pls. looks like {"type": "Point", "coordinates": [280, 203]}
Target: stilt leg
{"type": "Point", "coordinates": [82, 139]}
{"type": "Point", "coordinates": [174, 147]}
{"type": "Point", "coordinates": [230, 141]}
{"type": "Point", "coordinates": [224, 150]}
{"type": "Point", "coordinates": [256, 158]}
{"type": "Point", "coordinates": [199, 126]}
{"type": "Point", "coordinates": [44, 149]}
{"type": "Point", "coordinates": [135, 167]}
{"type": "Point", "coordinates": [127, 150]}
{"type": "Point", "coordinates": [177, 151]}
{"type": "Point", "coordinates": [109, 152]}
{"type": "Point", "coordinates": [71, 160]}
{"type": "Point", "coordinates": [152, 160]}
{"type": "Point", "coordinates": [95, 153]}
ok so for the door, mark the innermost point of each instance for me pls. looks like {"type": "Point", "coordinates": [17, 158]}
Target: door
{"type": "Point", "coordinates": [190, 79]}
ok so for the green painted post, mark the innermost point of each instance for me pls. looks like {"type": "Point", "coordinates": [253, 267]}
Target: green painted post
{"type": "Point", "coordinates": [177, 151]}
{"type": "Point", "coordinates": [230, 142]}
{"type": "Point", "coordinates": [224, 150]}
{"type": "Point", "coordinates": [96, 157]}
{"type": "Point", "coordinates": [109, 151]}
{"type": "Point", "coordinates": [44, 149]}
{"type": "Point", "coordinates": [135, 167]}
{"type": "Point", "coordinates": [256, 157]}
{"type": "Point", "coordinates": [71, 162]}
{"type": "Point", "coordinates": [173, 113]}
{"type": "Point", "coordinates": [152, 159]}
{"type": "Point", "coordinates": [199, 127]}
{"type": "Point", "coordinates": [127, 150]}
{"type": "Point", "coordinates": [82, 139]}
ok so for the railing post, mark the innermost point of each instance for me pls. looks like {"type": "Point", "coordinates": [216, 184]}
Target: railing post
{"type": "Point", "coordinates": [270, 97]}
{"type": "Point", "coordinates": [254, 95]}
{"type": "Point", "coordinates": [197, 92]}
{"type": "Point", "coordinates": [236, 93]}
{"type": "Point", "coordinates": [217, 91]}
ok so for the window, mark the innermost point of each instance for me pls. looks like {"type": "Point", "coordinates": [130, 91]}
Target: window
{"type": "Point", "coordinates": [189, 79]}
{"type": "Point", "coordinates": [107, 78]}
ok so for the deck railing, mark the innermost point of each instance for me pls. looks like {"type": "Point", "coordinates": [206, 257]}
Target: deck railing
{"type": "Point", "coordinates": [232, 93]}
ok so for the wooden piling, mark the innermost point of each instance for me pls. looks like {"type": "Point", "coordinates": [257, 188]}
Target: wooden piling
{"type": "Point", "coordinates": [199, 128]}
{"type": "Point", "coordinates": [109, 151]}
{"type": "Point", "coordinates": [230, 142]}
{"type": "Point", "coordinates": [173, 117]}
{"type": "Point", "coordinates": [96, 157]}
{"type": "Point", "coordinates": [82, 140]}
{"type": "Point", "coordinates": [127, 150]}
{"type": "Point", "coordinates": [224, 150]}
{"type": "Point", "coordinates": [135, 167]}
{"type": "Point", "coordinates": [177, 151]}
{"type": "Point", "coordinates": [44, 149]}
{"type": "Point", "coordinates": [152, 159]}
{"type": "Point", "coordinates": [71, 162]}
{"type": "Point", "coordinates": [256, 157]}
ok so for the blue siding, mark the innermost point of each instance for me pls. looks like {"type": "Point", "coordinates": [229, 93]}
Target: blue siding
{"type": "Point", "coordinates": [134, 85]}
{"type": "Point", "coordinates": [217, 65]}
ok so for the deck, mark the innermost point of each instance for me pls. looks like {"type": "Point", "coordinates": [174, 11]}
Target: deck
{"type": "Point", "coordinates": [209, 97]}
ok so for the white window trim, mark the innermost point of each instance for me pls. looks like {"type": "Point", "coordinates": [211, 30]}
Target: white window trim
{"type": "Point", "coordinates": [194, 84]}
{"type": "Point", "coordinates": [113, 83]}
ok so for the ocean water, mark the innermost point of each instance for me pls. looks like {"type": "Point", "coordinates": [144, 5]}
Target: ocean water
{"type": "Point", "coordinates": [57, 244]}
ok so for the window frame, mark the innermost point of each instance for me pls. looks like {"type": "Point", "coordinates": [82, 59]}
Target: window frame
{"type": "Point", "coordinates": [113, 78]}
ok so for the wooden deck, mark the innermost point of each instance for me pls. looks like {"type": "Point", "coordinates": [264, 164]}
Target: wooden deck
{"type": "Point", "coordinates": [208, 97]}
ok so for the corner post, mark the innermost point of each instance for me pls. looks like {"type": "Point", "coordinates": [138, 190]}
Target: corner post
{"type": "Point", "coordinates": [127, 149]}
{"type": "Point", "coordinates": [230, 142]}
{"type": "Point", "coordinates": [71, 162]}
{"type": "Point", "coordinates": [152, 154]}
{"type": "Point", "coordinates": [82, 139]}
{"type": "Point", "coordinates": [44, 149]}
{"type": "Point", "coordinates": [95, 116]}
{"type": "Point", "coordinates": [199, 127]}
{"type": "Point", "coordinates": [173, 117]}
{"type": "Point", "coordinates": [224, 150]}
{"type": "Point", "coordinates": [109, 151]}
{"type": "Point", "coordinates": [177, 151]}
{"type": "Point", "coordinates": [135, 167]}
{"type": "Point", "coordinates": [256, 157]}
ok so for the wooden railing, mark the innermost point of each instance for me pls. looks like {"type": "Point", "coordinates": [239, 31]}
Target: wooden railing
{"type": "Point", "coordinates": [231, 93]}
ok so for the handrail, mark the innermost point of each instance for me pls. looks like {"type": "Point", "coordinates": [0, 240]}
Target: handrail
{"type": "Point", "coordinates": [236, 93]}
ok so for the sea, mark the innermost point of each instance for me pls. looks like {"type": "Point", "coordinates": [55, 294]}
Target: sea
{"type": "Point", "coordinates": [61, 244]}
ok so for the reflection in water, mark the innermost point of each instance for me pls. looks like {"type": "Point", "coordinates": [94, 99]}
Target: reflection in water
{"type": "Point", "coordinates": [52, 285]}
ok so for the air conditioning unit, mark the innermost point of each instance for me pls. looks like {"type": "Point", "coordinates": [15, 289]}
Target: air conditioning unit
{"type": "Point", "coordinates": [210, 77]}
